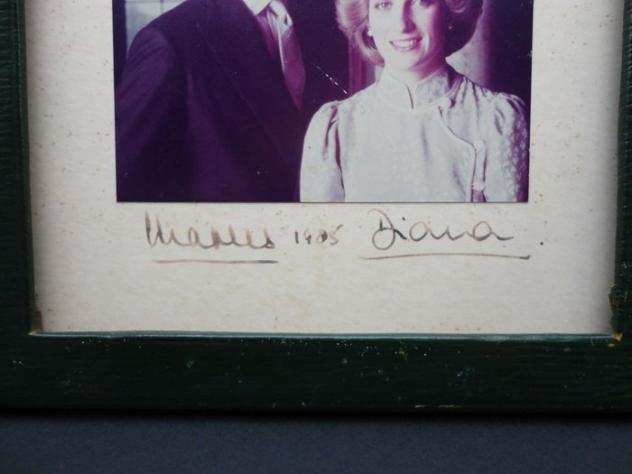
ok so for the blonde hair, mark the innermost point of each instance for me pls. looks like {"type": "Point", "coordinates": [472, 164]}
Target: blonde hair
{"type": "Point", "coordinates": [353, 20]}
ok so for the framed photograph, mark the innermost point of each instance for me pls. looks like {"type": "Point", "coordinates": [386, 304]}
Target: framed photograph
{"type": "Point", "coordinates": [390, 205]}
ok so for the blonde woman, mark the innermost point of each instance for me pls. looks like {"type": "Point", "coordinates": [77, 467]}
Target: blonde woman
{"type": "Point", "coordinates": [423, 132]}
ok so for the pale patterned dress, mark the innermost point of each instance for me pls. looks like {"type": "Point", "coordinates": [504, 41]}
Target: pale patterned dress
{"type": "Point", "coordinates": [453, 141]}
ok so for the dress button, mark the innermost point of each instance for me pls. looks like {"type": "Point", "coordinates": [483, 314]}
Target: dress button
{"type": "Point", "coordinates": [478, 186]}
{"type": "Point", "coordinates": [444, 103]}
{"type": "Point", "coordinates": [479, 145]}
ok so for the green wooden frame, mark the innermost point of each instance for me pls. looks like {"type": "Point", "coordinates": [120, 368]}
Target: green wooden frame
{"type": "Point", "coordinates": [263, 372]}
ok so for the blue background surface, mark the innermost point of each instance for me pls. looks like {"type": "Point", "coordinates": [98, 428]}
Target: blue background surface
{"type": "Point", "coordinates": [87, 443]}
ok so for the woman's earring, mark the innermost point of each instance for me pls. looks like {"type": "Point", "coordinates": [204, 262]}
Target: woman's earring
{"type": "Point", "coordinates": [450, 26]}
{"type": "Point", "coordinates": [369, 32]}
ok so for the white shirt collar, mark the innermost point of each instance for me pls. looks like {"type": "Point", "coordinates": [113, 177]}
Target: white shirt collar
{"type": "Point", "coordinates": [256, 6]}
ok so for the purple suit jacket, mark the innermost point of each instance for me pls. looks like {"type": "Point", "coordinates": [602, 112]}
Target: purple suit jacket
{"type": "Point", "coordinates": [202, 113]}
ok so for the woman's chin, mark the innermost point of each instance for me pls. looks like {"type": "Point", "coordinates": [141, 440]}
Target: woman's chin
{"type": "Point", "coordinates": [404, 60]}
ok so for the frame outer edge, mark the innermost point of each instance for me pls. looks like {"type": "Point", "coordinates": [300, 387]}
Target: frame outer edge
{"type": "Point", "coordinates": [568, 374]}
{"type": "Point", "coordinates": [620, 296]}
{"type": "Point", "coordinates": [16, 276]}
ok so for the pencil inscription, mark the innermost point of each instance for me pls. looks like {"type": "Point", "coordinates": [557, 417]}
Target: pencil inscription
{"type": "Point", "coordinates": [388, 234]}
{"type": "Point", "coordinates": [384, 236]}
{"type": "Point", "coordinates": [158, 234]}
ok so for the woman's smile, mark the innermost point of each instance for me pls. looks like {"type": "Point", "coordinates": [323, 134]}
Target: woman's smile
{"type": "Point", "coordinates": [406, 44]}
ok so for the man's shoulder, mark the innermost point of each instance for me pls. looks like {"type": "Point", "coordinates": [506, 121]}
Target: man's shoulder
{"type": "Point", "coordinates": [179, 21]}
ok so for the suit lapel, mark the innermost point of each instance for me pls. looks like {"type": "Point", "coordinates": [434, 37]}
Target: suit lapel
{"type": "Point", "coordinates": [322, 84]}
{"type": "Point", "coordinates": [234, 37]}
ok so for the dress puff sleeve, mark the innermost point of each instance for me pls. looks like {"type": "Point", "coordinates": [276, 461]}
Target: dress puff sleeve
{"type": "Point", "coordinates": [321, 176]}
{"type": "Point", "coordinates": [507, 168]}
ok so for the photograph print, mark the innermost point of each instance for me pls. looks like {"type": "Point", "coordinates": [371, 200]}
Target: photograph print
{"type": "Point", "coordinates": [320, 101]}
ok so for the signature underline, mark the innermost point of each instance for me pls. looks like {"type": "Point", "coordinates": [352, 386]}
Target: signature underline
{"type": "Point", "coordinates": [376, 258]}
{"type": "Point", "coordinates": [449, 254]}
{"type": "Point", "coordinates": [219, 262]}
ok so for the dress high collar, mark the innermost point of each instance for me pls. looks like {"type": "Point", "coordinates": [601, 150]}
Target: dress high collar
{"type": "Point", "coordinates": [425, 93]}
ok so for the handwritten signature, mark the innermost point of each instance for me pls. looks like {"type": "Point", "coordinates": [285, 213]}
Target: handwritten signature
{"type": "Point", "coordinates": [383, 238]}
{"type": "Point", "coordinates": [156, 234]}
{"type": "Point", "coordinates": [388, 234]}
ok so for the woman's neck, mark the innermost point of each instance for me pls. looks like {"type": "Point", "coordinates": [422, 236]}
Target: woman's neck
{"type": "Point", "coordinates": [412, 77]}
